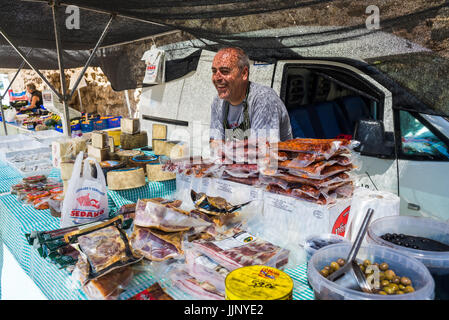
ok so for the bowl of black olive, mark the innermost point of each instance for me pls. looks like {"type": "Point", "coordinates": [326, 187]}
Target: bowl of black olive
{"type": "Point", "coordinates": [425, 239]}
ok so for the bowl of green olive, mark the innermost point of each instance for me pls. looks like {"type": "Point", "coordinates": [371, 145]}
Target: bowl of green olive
{"type": "Point", "coordinates": [391, 274]}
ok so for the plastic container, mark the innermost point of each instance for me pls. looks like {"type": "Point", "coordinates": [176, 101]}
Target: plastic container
{"type": "Point", "coordinates": [436, 262]}
{"type": "Point", "coordinates": [114, 122]}
{"type": "Point", "coordinates": [258, 283]}
{"type": "Point", "coordinates": [315, 242]}
{"type": "Point", "coordinates": [101, 124]}
{"type": "Point", "coordinates": [402, 265]}
{"type": "Point", "coordinates": [87, 126]}
{"type": "Point", "coordinates": [116, 135]}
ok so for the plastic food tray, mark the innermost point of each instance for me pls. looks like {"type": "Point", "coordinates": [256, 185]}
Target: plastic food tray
{"type": "Point", "coordinates": [335, 238]}
{"type": "Point", "coordinates": [437, 262]}
{"type": "Point", "coordinates": [402, 265]}
{"type": "Point", "coordinates": [26, 169]}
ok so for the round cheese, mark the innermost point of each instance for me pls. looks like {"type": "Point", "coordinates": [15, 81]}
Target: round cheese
{"type": "Point", "coordinates": [127, 178]}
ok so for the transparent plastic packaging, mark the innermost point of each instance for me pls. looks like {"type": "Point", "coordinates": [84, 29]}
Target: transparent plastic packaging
{"type": "Point", "coordinates": [156, 245]}
{"type": "Point", "coordinates": [403, 265]}
{"type": "Point", "coordinates": [168, 219]}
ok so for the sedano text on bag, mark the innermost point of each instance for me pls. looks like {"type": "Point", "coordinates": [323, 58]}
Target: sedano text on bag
{"type": "Point", "coordinates": [86, 197]}
{"type": "Point", "coordinates": [155, 66]}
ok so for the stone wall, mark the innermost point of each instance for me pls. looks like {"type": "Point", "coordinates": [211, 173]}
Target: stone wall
{"type": "Point", "coordinates": [97, 97]}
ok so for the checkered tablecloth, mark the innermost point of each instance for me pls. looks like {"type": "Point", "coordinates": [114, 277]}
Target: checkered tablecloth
{"type": "Point", "coordinates": [16, 219]}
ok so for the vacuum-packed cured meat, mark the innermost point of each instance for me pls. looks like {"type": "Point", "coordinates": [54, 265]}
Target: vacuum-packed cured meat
{"type": "Point", "coordinates": [154, 292]}
{"type": "Point", "coordinates": [165, 218]}
{"type": "Point", "coordinates": [237, 248]}
{"type": "Point", "coordinates": [156, 245]}
{"type": "Point", "coordinates": [194, 287]}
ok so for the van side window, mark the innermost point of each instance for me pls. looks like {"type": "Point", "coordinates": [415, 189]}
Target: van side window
{"type": "Point", "coordinates": [418, 140]}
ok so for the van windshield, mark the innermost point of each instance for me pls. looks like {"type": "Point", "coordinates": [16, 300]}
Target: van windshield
{"type": "Point", "coordinates": [423, 74]}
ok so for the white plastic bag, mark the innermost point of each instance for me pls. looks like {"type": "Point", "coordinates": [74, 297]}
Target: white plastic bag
{"type": "Point", "coordinates": [155, 66]}
{"type": "Point", "coordinates": [86, 198]}
{"type": "Point", "coordinates": [10, 115]}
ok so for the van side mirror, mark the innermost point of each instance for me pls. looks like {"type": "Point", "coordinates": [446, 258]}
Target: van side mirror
{"type": "Point", "coordinates": [374, 141]}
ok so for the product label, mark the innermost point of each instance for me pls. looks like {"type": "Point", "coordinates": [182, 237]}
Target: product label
{"type": "Point", "coordinates": [340, 223]}
{"type": "Point", "coordinates": [235, 241]}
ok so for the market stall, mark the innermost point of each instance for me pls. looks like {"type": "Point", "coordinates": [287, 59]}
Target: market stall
{"type": "Point", "coordinates": [188, 219]}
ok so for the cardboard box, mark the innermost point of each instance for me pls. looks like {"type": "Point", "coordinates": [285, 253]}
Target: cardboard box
{"type": "Point", "coordinates": [283, 215]}
{"type": "Point", "coordinates": [130, 125]}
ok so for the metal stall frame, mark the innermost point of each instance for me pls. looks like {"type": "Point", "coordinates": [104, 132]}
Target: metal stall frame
{"type": "Point", "coordinates": [64, 97]}
{"type": "Point", "coordinates": [6, 91]}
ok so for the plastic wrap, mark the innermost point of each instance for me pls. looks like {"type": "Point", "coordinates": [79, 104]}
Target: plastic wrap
{"type": "Point", "coordinates": [106, 287]}
{"type": "Point", "coordinates": [196, 288]}
{"type": "Point", "coordinates": [168, 219]}
{"type": "Point", "coordinates": [236, 248]}
{"type": "Point", "coordinates": [321, 147]}
{"type": "Point", "coordinates": [156, 245]}
{"type": "Point", "coordinates": [105, 247]}
{"type": "Point", "coordinates": [204, 268]}
{"type": "Point", "coordinates": [154, 292]}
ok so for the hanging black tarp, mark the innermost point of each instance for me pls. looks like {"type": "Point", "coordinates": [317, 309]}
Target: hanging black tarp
{"type": "Point", "coordinates": [44, 59]}
{"type": "Point", "coordinates": [225, 23]}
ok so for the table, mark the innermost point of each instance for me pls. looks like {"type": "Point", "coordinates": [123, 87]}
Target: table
{"type": "Point", "coordinates": [16, 219]}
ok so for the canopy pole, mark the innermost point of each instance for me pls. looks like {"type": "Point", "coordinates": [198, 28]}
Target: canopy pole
{"type": "Point", "coordinates": [66, 123]}
{"type": "Point", "coordinates": [91, 57]}
{"type": "Point", "coordinates": [9, 86]}
{"type": "Point", "coordinates": [24, 57]}
{"type": "Point", "coordinates": [128, 104]}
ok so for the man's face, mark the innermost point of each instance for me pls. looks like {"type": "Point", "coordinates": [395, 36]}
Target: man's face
{"type": "Point", "coordinates": [227, 78]}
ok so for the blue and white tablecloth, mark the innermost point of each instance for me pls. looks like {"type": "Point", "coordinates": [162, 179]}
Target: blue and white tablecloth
{"type": "Point", "coordinates": [17, 218]}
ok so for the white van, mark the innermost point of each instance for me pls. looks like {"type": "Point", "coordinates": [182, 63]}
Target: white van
{"type": "Point", "coordinates": [387, 92]}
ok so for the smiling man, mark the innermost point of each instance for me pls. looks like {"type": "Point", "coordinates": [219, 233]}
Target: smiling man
{"type": "Point", "coordinates": [242, 108]}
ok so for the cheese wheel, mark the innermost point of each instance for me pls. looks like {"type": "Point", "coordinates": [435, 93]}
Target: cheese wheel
{"type": "Point", "coordinates": [133, 141]}
{"type": "Point", "coordinates": [126, 155]}
{"type": "Point", "coordinates": [142, 161]}
{"type": "Point", "coordinates": [159, 131]}
{"type": "Point", "coordinates": [127, 178]}
{"type": "Point", "coordinates": [155, 172]}
{"type": "Point", "coordinates": [159, 146]}
{"type": "Point", "coordinates": [130, 125]}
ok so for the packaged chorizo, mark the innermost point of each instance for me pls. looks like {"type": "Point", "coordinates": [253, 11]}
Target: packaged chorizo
{"type": "Point", "coordinates": [322, 147]}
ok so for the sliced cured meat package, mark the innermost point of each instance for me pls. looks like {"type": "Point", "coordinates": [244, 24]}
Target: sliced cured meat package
{"type": "Point", "coordinates": [289, 192]}
{"type": "Point", "coordinates": [242, 170]}
{"type": "Point", "coordinates": [237, 248]}
{"type": "Point", "coordinates": [155, 215]}
{"type": "Point", "coordinates": [321, 147]}
{"type": "Point", "coordinates": [326, 172]}
{"type": "Point", "coordinates": [156, 245]}
{"type": "Point", "coordinates": [196, 288]}
{"type": "Point", "coordinates": [204, 268]}
{"type": "Point", "coordinates": [106, 287]}
{"type": "Point", "coordinates": [251, 181]}
{"type": "Point", "coordinates": [154, 292]}
{"type": "Point", "coordinates": [322, 183]}
{"type": "Point", "coordinates": [105, 247]}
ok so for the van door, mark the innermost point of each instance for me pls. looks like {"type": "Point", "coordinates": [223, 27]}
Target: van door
{"type": "Point", "coordinates": [423, 151]}
{"type": "Point", "coordinates": [373, 173]}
